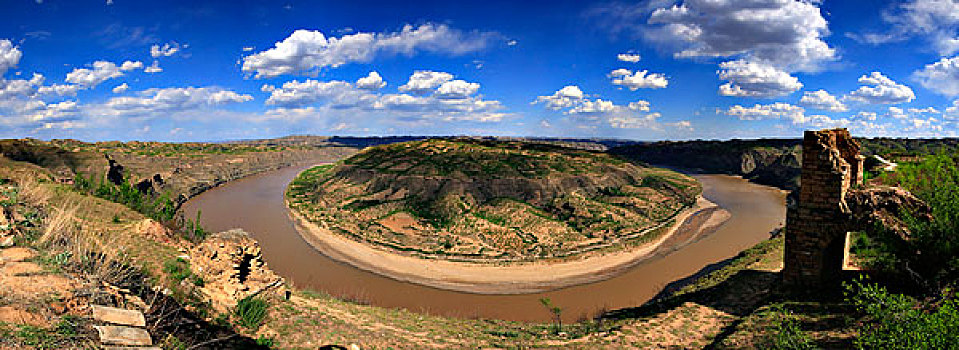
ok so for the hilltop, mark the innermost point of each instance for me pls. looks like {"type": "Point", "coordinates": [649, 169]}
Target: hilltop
{"type": "Point", "coordinates": [485, 200]}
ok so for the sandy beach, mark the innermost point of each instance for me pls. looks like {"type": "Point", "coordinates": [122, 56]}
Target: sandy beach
{"type": "Point", "coordinates": [515, 278]}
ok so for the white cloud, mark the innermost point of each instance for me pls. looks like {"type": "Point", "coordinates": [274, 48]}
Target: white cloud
{"type": "Point", "coordinates": [19, 87]}
{"type": "Point", "coordinates": [638, 80]}
{"type": "Point", "coordinates": [650, 121]}
{"type": "Point", "coordinates": [896, 112]}
{"type": "Point", "coordinates": [456, 89]}
{"type": "Point", "coordinates": [166, 50]}
{"type": "Point", "coordinates": [306, 51]}
{"type": "Point", "coordinates": [880, 90]}
{"type": "Point", "coordinates": [566, 97]}
{"type": "Point", "coordinates": [119, 89]}
{"type": "Point", "coordinates": [593, 106]}
{"type": "Point", "coordinates": [639, 106]}
{"type": "Point", "coordinates": [778, 110]}
{"type": "Point", "coordinates": [101, 71]}
{"type": "Point", "coordinates": [822, 100]}
{"type": "Point", "coordinates": [936, 20]}
{"type": "Point", "coordinates": [153, 68]}
{"type": "Point", "coordinates": [373, 81]}
{"type": "Point", "coordinates": [295, 93]}
{"type": "Point", "coordinates": [423, 81]}
{"type": "Point", "coordinates": [751, 79]}
{"type": "Point", "coordinates": [632, 116]}
{"type": "Point", "coordinates": [866, 115]}
{"type": "Point", "coordinates": [9, 56]}
{"type": "Point", "coordinates": [152, 102]}
{"type": "Point", "coordinates": [451, 100]}
{"type": "Point", "coordinates": [628, 57]}
{"type": "Point", "coordinates": [59, 89]}
{"type": "Point", "coordinates": [941, 77]}
{"type": "Point", "coordinates": [927, 110]}
{"type": "Point", "coordinates": [247, 48]}
{"type": "Point", "coordinates": [784, 33]}
{"type": "Point", "coordinates": [131, 65]}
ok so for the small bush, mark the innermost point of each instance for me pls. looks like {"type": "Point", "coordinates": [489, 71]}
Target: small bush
{"type": "Point", "coordinates": [896, 321]}
{"type": "Point", "coordinates": [178, 269]}
{"type": "Point", "coordinates": [786, 334]}
{"type": "Point", "coordinates": [265, 341]}
{"type": "Point", "coordinates": [250, 312]}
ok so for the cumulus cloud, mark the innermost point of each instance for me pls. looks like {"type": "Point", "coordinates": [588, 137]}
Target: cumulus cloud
{"type": "Point", "coordinates": [628, 57]}
{"type": "Point", "coordinates": [9, 56]}
{"type": "Point", "coordinates": [822, 100]}
{"type": "Point", "coordinates": [131, 65]}
{"type": "Point", "coordinates": [59, 89]}
{"type": "Point", "coordinates": [783, 33]}
{"type": "Point", "coordinates": [574, 103]}
{"type": "Point", "coordinates": [449, 100]}
{"type": "Point", "coordinates": [593, 106]}
{"type": "Point", "coordinates": [456, 89]}
{"type": "Point", "coordinates": [566, 97]}
{"type": "Point", "coordinates": [423, 81]}
{"type": "Point", "coordinates": [751, 79]}
{"type": "Point", "coordinates": [778, 110]}
{"type": "Point", "coordinates": [295, 93]}
{"type": "Point", "coordinates": [150, 102]}
{"type": "Point", "coordinates": [880, 89]}
{"type": "Point", "coordinates": [119, 89]}
{"type": "Point", "coordinates": [153, 68]}
{"type": "Point", "coordinates": [941, 77]}
{"type": "Point", "coordinates": [866, 115]}
{"type": "Point", "coordinates": [99, 72]}
{"type": "Point", "coordinates": [307, 51]}
{"type": "Point", "coordinates": [638, 80]}
{"type": "Point", "coordinates": [927, 110]}
{"type": "Point", "coordinates": [166, 50]}
{"type": "Point", "coordinates": [19, 87]}
{"type": "Point", "coordinates": [936, 20]}
{"type": "Point", "coordinates": [373, 81]}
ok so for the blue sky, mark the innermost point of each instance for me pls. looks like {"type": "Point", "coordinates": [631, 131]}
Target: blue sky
{"type": "Point", "coordinates": [647, 70]}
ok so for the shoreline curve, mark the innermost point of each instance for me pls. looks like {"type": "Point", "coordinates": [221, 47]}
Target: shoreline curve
{"type": "Point", "coordinates": [520, 278]}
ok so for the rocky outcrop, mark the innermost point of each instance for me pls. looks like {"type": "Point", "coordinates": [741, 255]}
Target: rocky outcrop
{"type": "Point", "coordinates": [885, 206]}
{"type": "Point", "coordinates": [232, 268]}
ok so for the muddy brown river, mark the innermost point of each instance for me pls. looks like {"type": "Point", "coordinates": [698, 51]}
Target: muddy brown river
{"type": "Point", "coordinates": [256, 205]}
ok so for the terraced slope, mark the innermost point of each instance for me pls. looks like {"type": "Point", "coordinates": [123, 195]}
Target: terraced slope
{"type": "Point", "coordinates": [481, 200]}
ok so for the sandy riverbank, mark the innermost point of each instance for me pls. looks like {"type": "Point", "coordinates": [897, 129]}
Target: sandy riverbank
{"type": "Point", "coordinates": [520, 278]}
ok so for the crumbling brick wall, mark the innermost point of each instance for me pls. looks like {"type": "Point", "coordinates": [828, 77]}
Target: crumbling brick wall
{"type": "Point", "coordinates": [816, 227]}
{"type": "Point", "coordinates": [232, 267]}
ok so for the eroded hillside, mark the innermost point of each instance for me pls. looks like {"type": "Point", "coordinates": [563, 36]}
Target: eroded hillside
{"type": "Point", "coordinates": [469, 199]}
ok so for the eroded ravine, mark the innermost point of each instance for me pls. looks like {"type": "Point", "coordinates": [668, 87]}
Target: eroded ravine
{"type": "Point", "coordinates": [256, 204]}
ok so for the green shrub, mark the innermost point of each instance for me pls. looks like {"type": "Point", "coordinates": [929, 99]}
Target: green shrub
{"type": "Point", "coordinates": [786, 333]}
{"type": "Point", "coordinates": [250, 312]}
{"type": "Point", "coordinates": [932, 251]}
{"type": "Point", "coordinates": [896, 321]}
{"type": "Point", "coordinates": [178, 269]}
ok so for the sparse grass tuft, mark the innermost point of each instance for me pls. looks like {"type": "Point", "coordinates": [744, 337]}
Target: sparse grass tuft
{"type": "Point", "coordinates": [250, 312]}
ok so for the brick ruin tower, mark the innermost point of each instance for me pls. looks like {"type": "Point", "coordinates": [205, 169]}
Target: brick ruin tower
{"type": "Point", "coordinates": [816, 227]}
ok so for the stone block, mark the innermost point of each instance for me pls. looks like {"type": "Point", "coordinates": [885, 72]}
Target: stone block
{"type": "Point", "coordinates": [120, 335]}
{"type": "Point", "coordinates": [118, 316]}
